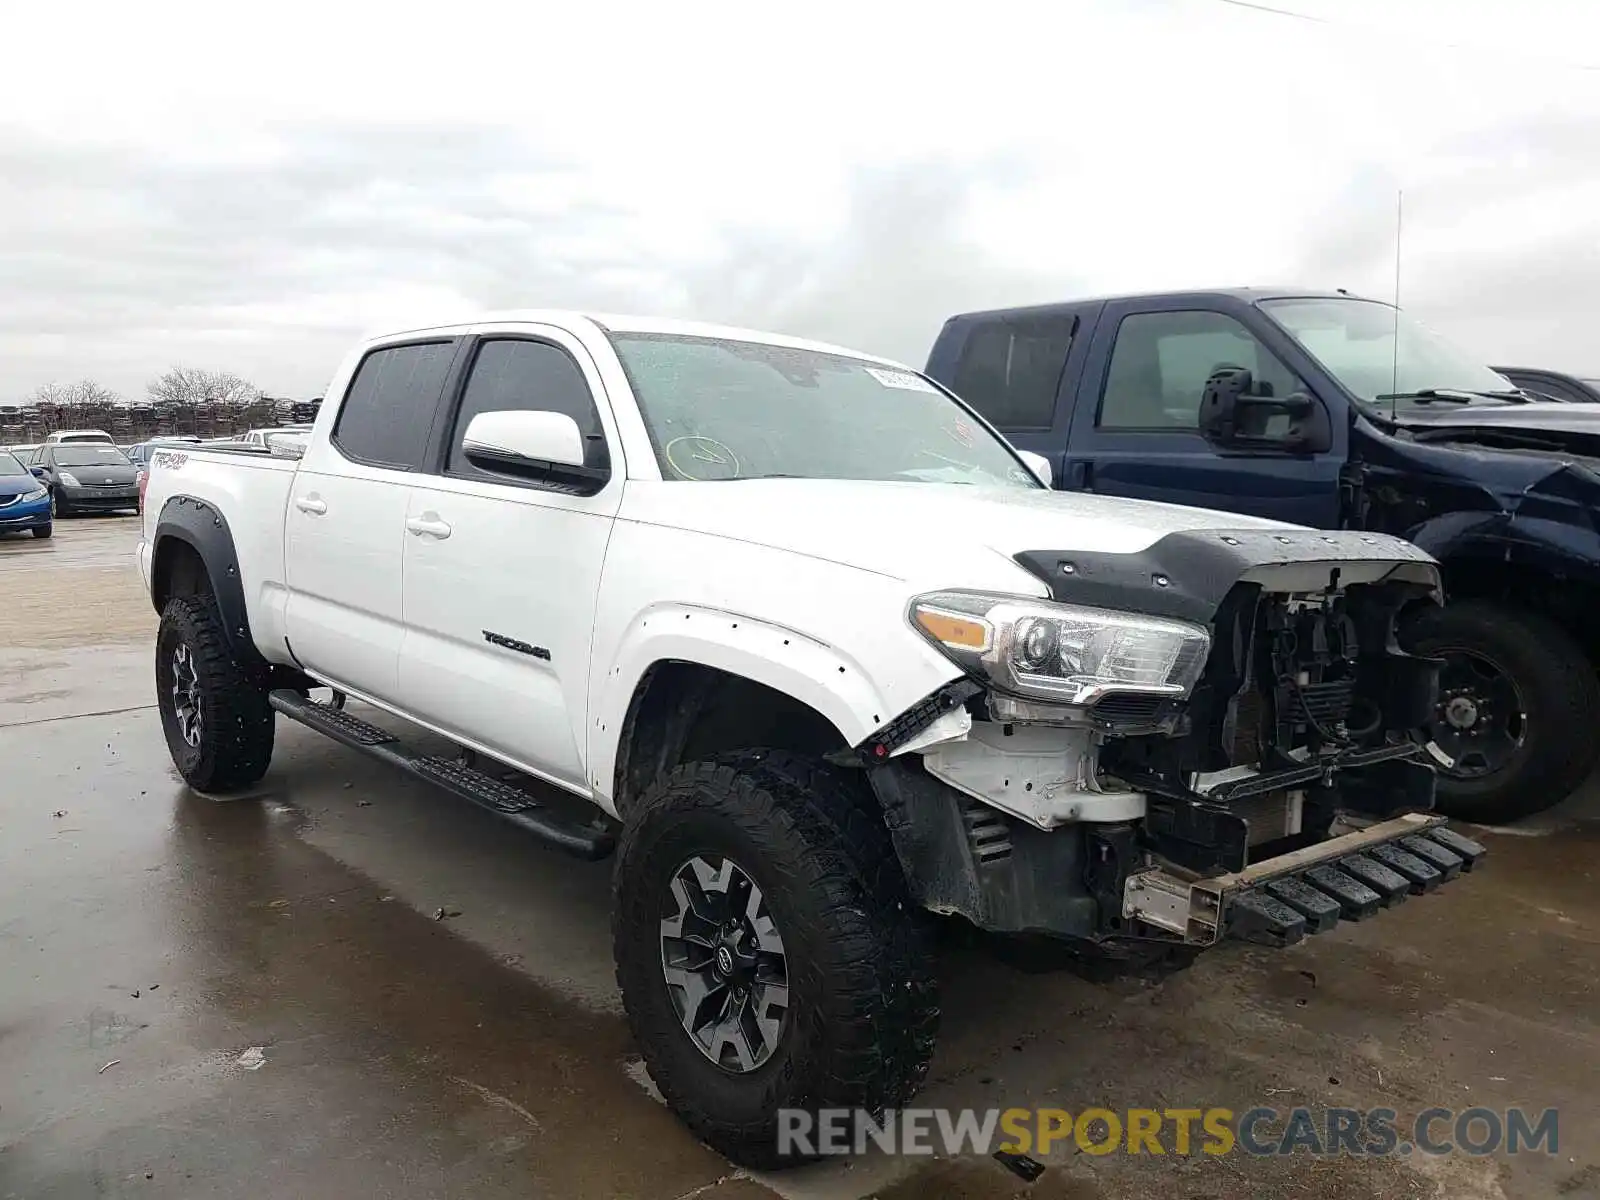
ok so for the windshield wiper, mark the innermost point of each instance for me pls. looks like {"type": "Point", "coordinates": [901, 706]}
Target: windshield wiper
{"type": "Point", "coordinates": [1453, 396]}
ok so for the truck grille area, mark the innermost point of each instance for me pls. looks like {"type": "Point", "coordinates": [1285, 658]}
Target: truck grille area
{"type": "Point", "coordinates": [1326, 704]}
{"type": "Point", "coordinates": [1309, 692]}
{"type": "Point", "coordinates": [1293, 677]}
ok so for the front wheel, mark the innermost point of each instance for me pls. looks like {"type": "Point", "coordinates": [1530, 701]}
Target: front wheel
{"type": "Point", "coordinates": [768, 953]}
{"type": "Point", "coordinates": [219, 726]}
{"type": "Point", "coordinates": [43, 531]}
{"type": "Point", "coordinates": [1518, 712]}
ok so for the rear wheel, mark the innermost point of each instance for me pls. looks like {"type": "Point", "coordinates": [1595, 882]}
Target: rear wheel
{"type": "Point", "coordinates": [1519, 709]}
{"type": "Point", "coordinates": [218, 725]}
{"type": "Point", "coordinates": [768, 953]}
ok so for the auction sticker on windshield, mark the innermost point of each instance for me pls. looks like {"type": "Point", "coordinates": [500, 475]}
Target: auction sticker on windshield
{"type": "Point", "coordinates": [903, 380]}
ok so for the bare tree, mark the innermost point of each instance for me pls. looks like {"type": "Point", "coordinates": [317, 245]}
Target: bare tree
{"type": "Point", "coordinates": [186, 387]}
{"type": "Point", "coordinates": [90, 394]}
{"type": "Point", "coordinates": [86, 393]}
{"type": "Point", "coordinates": [57, 394]}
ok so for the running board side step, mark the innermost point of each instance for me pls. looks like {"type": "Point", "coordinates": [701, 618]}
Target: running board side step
{"type": "Point", "coordinates": [589, 842]}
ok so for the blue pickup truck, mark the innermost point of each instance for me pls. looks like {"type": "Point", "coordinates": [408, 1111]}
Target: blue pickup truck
{"type": "Point", "coordinates": [1337, 412]}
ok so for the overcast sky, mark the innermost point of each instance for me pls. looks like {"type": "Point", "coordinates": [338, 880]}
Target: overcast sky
{"type": "Point", "coordinates": [179, 185]}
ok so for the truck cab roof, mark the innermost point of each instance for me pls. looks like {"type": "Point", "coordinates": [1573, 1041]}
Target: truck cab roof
{"type": "Point", "coordinates": [1201, 297]}
{"type": "Point", "coordinates": [625, 323]}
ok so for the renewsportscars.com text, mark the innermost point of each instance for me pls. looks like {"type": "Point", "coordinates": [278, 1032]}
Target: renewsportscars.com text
{"type": "Point", "coordinates": [1374, 1132]}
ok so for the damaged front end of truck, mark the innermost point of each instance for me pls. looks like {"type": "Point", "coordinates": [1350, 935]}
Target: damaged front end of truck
{"type": "Point", "coordinates": [1218, 736]}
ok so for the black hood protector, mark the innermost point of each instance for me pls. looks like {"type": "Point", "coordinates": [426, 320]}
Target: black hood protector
{"type": "Point", "coordinates": [1187, 575]}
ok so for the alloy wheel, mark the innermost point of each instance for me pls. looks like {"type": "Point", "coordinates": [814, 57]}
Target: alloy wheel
{"type": "Point", "coordinates": [724, 963]}
{"type": "Point", "coordinates": [186, 695]}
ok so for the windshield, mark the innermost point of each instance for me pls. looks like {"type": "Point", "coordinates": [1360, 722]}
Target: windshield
{"type": "Point", "coordinates": [10, 464]}
{"type": "Point", "coordinates": [1355, 341]}
{"type": "Point", "coordinates": [721, 409]}
{"type": "Point", "coordinates": [85, 455]}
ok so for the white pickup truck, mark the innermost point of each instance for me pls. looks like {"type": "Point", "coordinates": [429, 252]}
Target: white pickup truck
{"type": "Point", "coordinates": [816, 651]}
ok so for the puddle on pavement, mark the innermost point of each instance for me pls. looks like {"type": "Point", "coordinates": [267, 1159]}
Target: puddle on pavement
{"type": "Point", "coordinates": [398, 1055]}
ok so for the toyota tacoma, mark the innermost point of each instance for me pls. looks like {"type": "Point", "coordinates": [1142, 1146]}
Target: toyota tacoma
{"type": "Point", "coordinates": [809, 646]}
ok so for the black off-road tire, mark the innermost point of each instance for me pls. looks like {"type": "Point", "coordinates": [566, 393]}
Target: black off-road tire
{"type": "Point", "coordinates": [1561, 706]}
{"type": "Point", "coordinates": [863, 1012]}
{"type": "Point", "coordinates": [236, 726]}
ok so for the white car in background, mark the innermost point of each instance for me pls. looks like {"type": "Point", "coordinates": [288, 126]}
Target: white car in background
{"type": "Point", "coordinates": [265, 437]}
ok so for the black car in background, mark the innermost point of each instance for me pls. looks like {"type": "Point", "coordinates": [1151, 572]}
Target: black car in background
{"type": "Point", "coordinates": [87, 475]}
{"type": "Point", "coordinates": [1553, 385]}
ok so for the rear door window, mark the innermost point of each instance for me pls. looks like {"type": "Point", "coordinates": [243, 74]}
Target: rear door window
{"type": "Point", "coordinates": [389, 410]}
{"type": "Point", "coordinates": [1010, 368]}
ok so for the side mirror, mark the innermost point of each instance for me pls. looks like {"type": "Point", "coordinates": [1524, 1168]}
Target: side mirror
{"type": "Point", "coordinates": [1233, 415]}
{"type": "Point", "coordinates": [39, 472]}
{"type": "Point", "coordinates": [1039, 465]}
{"type": "Point", "coordinates": [532, 445]}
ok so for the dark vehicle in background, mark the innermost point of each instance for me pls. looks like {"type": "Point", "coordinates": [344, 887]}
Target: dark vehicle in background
{"type": "Point", "coordinates": [1336, 412]}
{"type": "Point", "coordinates": [24, 500]}
{"type": "Point", "coordinates": [1544, 384]}
{"type": "Point", "coordinates": [139, 453]}
{"type": "Point", "coordinates": [84, 476]}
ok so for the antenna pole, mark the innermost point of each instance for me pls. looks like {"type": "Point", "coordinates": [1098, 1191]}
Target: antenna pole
{"type": "Point", "coordinates": [1399, 226]}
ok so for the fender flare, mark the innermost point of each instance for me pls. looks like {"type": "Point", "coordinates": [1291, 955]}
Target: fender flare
{"type": "Point", "coordinates": [201, 526]}
{"type": "Point", "coordinates": [1498, 537]}
{"type": "Point", "coordinates": [810, 671]}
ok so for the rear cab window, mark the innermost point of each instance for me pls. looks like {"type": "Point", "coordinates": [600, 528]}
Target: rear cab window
{"type": "Point", "coordinates": [1010, 367]}
{"type": "Point", "coordinates": [389, 409]}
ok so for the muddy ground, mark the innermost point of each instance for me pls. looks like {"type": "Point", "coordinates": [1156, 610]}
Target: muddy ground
{"type": "Point", "coordinates": [153, 944]}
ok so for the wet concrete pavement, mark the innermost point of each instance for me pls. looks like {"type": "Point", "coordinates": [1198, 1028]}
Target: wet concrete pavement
{"type": "Point", "coordinates": [483, 1055]}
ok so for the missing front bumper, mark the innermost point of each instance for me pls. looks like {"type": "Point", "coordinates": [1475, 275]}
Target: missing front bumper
{"type": "Point", "coordinates": [1279, 900]}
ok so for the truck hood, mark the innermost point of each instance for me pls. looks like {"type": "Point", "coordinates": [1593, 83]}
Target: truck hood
{"type": "Point", "coordinates": [1139, 555]}
{"type": "Point", "coordinates": [960, 536]}
{"type": "Point", "coordinates": [1511, 485]}
{"type": "Point", "coordinates": [1565, 428]}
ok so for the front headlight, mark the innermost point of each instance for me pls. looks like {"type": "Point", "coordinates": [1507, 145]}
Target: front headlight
{"type": "Point", "coordinates": [68, 478]}
{"type": "Point", "coordinates": [38, 493]}
{"type": "Point", "coordinates": [1062, 652]}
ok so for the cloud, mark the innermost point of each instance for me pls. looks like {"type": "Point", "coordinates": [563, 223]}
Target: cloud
{"type": "Point", "coordinates": [846, 173]}
{"type": "Point", "coordinates": [904, 257]}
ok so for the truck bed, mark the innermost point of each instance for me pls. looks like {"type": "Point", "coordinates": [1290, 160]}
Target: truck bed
{"type": "Point", "coordinates": [251, 487]}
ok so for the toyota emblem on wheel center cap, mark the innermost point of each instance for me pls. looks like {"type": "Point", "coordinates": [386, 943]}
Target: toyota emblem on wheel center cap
{"type": "Point", "coordinates": [724, 960]}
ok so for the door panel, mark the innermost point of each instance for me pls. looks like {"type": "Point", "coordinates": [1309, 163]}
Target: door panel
{"type": "Point", "coordinates": [344, 525]}
{"type": "Point", "coordinates": [1134, 423]}
{"type": "Point", "coordinates": [501, 573]}
{"type": "Point", "coordinates": [343, 557]}
{"type": "Point", "coordinates": [499, 611]}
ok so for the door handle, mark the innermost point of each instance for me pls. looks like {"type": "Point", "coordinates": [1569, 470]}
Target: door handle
{"type": "Point", "coordinates": [1078, 475]}
{"type": "Point", "coordinates": [310, 504]}
{"type": "Point", "coordinates": [428, 526]}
